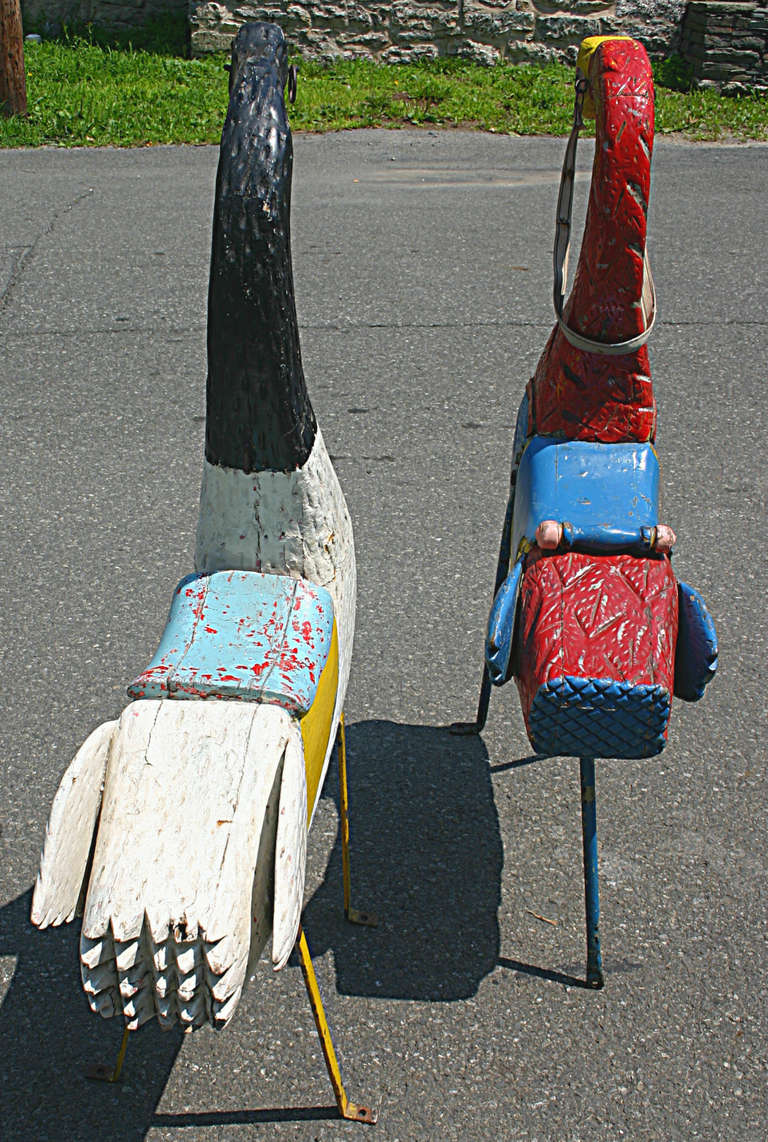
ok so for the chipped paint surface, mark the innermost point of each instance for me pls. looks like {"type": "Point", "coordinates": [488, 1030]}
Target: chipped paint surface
{"type": "Point", "coordinates": [285, 523]}
{"type": "Point", "coordinates": [200, 844]}
{"type": "Point", "coordinates": [242, 635]}
{"type": "Point", "coordinates": [596, 617]}
{"type": "Point", "coordinates": [317, 725]}
{"type": "Point", "coordinates": [603, 615]}
{"type": "Point", "coordinates": [169, 918]}
{"type": "Point", "coordinates": [69, 832]}
{"type": "Point", "coordinates": [595, 631]}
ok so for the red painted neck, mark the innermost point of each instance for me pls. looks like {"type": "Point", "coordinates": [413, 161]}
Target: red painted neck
{"type": "Point", "coordinates": [605, 300]}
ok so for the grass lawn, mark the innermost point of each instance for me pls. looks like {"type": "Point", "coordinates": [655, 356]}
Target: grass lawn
{"type": "Point", "coordinates": [84, 93]}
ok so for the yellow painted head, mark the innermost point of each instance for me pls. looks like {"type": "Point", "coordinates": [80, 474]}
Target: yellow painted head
{"type": "Point", "coordinates": [583, 63]}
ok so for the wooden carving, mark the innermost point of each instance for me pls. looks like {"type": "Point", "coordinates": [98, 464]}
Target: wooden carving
{"type": "Point", "coordinates": [588, 617]}
{"type": "Point", "coordinates": [180, 829]}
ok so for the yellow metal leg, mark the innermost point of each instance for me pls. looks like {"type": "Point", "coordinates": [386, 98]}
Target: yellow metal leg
{"type": "Point", "coordinates": [103, 1073]}
{"type": "Point", "coordinates": [347, 1109]}
{"type": "Point", "coordinates": [354, 917]}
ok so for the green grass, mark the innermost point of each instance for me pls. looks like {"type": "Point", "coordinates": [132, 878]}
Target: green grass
{"type": "Point", "coordinates": [96, 91]}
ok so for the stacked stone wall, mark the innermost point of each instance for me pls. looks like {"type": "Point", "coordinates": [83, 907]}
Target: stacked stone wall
{"type": "Point", "coordinates": [727, 45]}
{"type": "Point", "coordinates": [725, 41]}
{"type": "Point", "coordinates": [487, 31]}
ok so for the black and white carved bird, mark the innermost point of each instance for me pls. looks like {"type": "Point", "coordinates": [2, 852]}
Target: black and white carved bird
{"type": "Point", "coordinates": [180, 828]}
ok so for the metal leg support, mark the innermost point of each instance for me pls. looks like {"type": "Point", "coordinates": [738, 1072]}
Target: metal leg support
{"type": "Point", "coordinates": [354, 917]}
{"type": "Point", "coordinates": [591, 888]}
{"type": "Point", "coordinates": [103, 1073]}
{"type": "Point", "coordinates": [502, 567]}
{"type": "Point", "coordinates": [347, 1109]}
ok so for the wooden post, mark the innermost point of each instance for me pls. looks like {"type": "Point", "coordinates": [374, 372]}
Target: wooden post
{"type": "Point", "coordinates": [13, 83]}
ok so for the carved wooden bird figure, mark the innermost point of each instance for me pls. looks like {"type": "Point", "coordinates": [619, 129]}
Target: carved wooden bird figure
{"type": "Point", "coordinates": [588, 616]}
{"type": "Point", "coordinates": [180, 828]}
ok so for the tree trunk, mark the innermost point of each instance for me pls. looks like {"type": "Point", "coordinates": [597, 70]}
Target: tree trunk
{"type": "Point", "coordinates": [13, 84]}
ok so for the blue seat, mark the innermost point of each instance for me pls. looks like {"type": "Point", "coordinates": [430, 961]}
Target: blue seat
{"type": "Point", "coordinates": [242, 635]}
{"type": "Point", "coordinates": [605, 495]}
{"type": "Point", "coordinates": [599, 717]}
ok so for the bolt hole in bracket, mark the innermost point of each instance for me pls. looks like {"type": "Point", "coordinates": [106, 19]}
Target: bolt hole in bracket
{"type": "Point", "coordinates": [366, 919]}
{"type": "Point", "coordinates": [355, 1113]}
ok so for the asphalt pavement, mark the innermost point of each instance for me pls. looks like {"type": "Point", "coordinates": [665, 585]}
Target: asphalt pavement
{"type": "Point", "coordinates": [423, 277]}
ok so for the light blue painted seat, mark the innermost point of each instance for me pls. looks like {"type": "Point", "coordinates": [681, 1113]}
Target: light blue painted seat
{"type": "Point", "coordinates": [242, 635]}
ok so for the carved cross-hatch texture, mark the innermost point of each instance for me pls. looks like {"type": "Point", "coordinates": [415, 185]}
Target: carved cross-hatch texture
{"type": "Point", "coordinates": [608, 627]}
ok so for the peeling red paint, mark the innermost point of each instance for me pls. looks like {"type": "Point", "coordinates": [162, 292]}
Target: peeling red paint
{"type": "Point", "coordinates": [588, 616]}
{"type": "Point", "coordinates": [285, 642]}
{"type": "Point", "coordinates": [597, 616]}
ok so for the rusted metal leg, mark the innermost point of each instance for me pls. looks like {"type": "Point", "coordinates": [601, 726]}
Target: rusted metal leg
{"type": "Point", "coordinates": [103, 1073]}
{"type": "Point", "coordinates": [354, 917]}
{"type": "Point", "coordinates": [347, 1109]}
{"type": "Point", "coordinates": [591, 887]}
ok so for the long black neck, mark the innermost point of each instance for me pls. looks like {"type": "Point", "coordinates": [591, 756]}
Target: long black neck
{"type": "Point", "coordinates": [259, 416]}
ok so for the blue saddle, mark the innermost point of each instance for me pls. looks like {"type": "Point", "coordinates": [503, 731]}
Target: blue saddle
{"type": "Point", "coordinates": [243, 635]}
{"type": "Point", "coordinates": [605, 495]}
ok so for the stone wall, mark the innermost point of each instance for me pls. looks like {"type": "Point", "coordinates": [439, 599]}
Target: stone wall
{"type": "Point", "coordinates": [727, 45]}
{"type": "Point", "coordinates": [105, 13]}
{"type": "Point", "coordinates": [725, 41]}
{"type": "Point", "coordinates": [483, 30]}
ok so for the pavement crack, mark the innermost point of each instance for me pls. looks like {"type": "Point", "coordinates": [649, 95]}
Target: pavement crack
{"type": "Point", "coordinates": [26, 253]}
{"type": "Point", "coordinates": [737, 321]}
{"type": "Point", "coordinates": [176, 331]}
{"type": "Point", "coordinates": [500, 323]}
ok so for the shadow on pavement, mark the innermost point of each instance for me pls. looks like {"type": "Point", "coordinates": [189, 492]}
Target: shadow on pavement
{"type": "Point", "coordinates": [551, 976]}
{"type": "Point", "coordinates": [49, 1038]}
{"type": "Point", "coordinates": [426, 857]}
{"type": "Point", "coordinates": [247, 1117]}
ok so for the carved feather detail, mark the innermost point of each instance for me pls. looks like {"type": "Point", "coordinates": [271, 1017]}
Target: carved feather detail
{"type": "Point", "coordinates": [202, 831]}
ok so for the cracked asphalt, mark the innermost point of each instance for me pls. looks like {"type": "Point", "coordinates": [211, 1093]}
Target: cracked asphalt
{"type": "Point", "coordinates": [423, 278]}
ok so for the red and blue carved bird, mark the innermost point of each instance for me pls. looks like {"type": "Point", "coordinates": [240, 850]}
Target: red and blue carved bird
{"type": "Point", "coordinates": [587, 616]}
